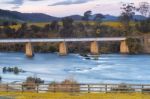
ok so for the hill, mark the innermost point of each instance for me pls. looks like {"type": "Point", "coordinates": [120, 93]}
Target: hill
{"type": "Point", "coordinates": [33, 17]}
{"type": "Point", "coordinates": [40, 17]}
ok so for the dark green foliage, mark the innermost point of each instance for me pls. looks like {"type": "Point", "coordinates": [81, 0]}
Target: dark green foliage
{"type": "Point", "coordinates": [54, 26]}
{"type": "Point", "coordinates": [106, 31]}
{"type": "Point", "coordinates": [87, 15]}
{"type": "Point", "coordinates": [98, 17]}
{"type": "Point", "coordinates": [144, 26]}
{"type": "Point", "coordinates": [9, 32]}
{"type": "Point", "coordinates": [127, 15]}
{"type": "Point", "coordinates": [34, 80]}
{"type": "Point", "coordinates": [52, 49]}
{"type": "Point", "coordinates": [134, 45]}
{"type": "Point", "coordinates": [8, 23]}
{"type": "Point", "coordinates": [67, 30]}
{"type": "Point", "coordinates": [14, 70]}
{"type": "Point", "coordinates": [35, 28]}
{"type": "Point", "coordinates": [46, 28]}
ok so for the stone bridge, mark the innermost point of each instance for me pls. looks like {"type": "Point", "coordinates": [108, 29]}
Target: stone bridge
{"type": "Point", "coordinates": [94, 48]}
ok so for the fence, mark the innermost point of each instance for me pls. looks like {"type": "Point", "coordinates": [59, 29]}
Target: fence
{"type": "Point", "coordinates": [87, 88]}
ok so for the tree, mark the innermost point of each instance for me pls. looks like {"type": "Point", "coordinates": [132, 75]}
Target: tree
{"type": "Point", "coordinates": [23, 30]}
{"type": "Point", "coordinates": [54, 26]}
{"type": "Point", "coordinates": [24, 26]}
{"type": "Point", "coordinates": [144, 8]}
{"type": "Point", "coordinates": [87, 15]}
{"type": "Point", "coordinates": [98, 17]}
{"type": "Point", "coordinates": [67, 30]}
{"type": "Point", "coordinates": [34, 80]}
{"type": "Point", "coordinates": [143, 26]}
{"type": "Point", "coordinates": [134, 45]}
{"type": "Point", "coordinates": [9, 31]}
{"type": "Point", "coordinates": [127, 15]}
{"type": "Point", "coordinates": [35, 28]}
{"type": "Point", "coordinates": [46, 28]}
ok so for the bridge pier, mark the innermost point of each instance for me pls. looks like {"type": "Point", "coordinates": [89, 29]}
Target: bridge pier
{"type": "Point", "coordinates": [29, 50]}
{"type": "Point", "coordinates": [94, 48]}
{"type": "Point", "coordinates": [124, 49]}
{"type": "Point", "coordinates": [63, 49]}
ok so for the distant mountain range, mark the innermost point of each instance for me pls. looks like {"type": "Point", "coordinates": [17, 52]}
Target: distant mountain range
{"type": "Point", "coordinates": [33, 17]}
{"type": "Point", "coordinates": [40, 17]}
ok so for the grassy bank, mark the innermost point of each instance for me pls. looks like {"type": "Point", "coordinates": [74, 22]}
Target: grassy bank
{"type": "Point", "coordinates": [16, 95]}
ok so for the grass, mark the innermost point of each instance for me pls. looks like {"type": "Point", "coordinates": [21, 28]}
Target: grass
{"type": "Point", "coordinates": [15, 95]}
{"type": "Point", "coordinates": [116, 24]}
{"type": "Point", "coordinates": [14, 26]}
{"type": "Point", "coordinates": [42, 24]}
{"type": "Point", "coordinates": [113, 24]}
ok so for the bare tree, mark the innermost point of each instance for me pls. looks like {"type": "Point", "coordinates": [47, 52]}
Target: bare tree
{"type": "Point", "coordinates": [128, 11]}
{"type": "Point", "coordinates": [144, 9]}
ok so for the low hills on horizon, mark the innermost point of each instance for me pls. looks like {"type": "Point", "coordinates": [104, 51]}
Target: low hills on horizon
{"type": "Point", "coordinates": [40, 17]}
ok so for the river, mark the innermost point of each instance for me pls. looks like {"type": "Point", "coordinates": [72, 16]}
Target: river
{"type": "Point", "coordinates": [108, 68]}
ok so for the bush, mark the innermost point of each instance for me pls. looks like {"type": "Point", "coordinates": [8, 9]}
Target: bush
{"type": "Point", "coordinates": [65, 86]}
{"type": "Point", "coordinates": [123, 88]}
{"type": "Point", "coordinates": [134, 45]}
{"type": "Point", "coordinates": [143, 26]}
{"type": "Point", "coordinates": [52, 49]}
{"type": "Point", "coordinates": [14, 70]}
{"type": "Point", "coordinates": [32, 82]}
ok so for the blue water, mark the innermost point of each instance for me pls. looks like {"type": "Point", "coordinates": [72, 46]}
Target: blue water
{"type": "Point", "coordinates": [108, 68]}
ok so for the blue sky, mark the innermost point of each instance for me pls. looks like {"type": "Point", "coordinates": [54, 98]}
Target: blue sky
{"type": "Point", "coordinates": [66, 7]}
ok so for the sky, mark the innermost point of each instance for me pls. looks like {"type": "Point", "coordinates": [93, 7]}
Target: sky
{"type": "Point", "coordinates": [61, 8]}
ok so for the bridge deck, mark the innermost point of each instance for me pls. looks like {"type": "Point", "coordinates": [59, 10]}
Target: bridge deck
{"type": "Point", "coordinates": [61, 40]}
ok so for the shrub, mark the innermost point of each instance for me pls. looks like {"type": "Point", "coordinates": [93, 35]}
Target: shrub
{"type": "Point", "coordinates": [65, 86]}
{"type": "Point", "coordinates": [32, 82]}
{"type": "Point", "coordinates": [14, 70]}
{"type": "Point", "coordinates": [134, 45]}
{"type": "Point", "coordinates": [123, 88]}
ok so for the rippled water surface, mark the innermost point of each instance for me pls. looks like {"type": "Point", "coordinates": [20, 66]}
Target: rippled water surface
{"type": "Point", "coordinates": [108, 68]}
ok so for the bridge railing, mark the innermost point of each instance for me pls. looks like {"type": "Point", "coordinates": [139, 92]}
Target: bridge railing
{"type": "Point", "coordinates": [34, 40]}
{"type": "Point", "coordinates": [83, 88]}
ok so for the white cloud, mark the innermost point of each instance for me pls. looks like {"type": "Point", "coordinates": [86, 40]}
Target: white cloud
{"type": "Point", "coordinates": [70, 2]}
